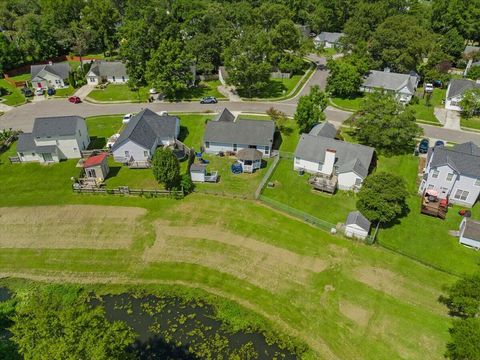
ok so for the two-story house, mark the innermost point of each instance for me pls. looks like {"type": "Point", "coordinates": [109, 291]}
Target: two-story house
{"type": "Point", "coordinates": [53, 139]}
{"type": "Point", "coordinates": [454, 173]}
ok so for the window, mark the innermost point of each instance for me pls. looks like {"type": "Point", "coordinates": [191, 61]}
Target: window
{"type": "Point", "coordinates": [113, 78]}
{"type": "Point", "coordinates": [92, 79]}
{"type": "Point", "coordinates": [207, 144]}
{"type": "Point", "coordinates": [297, 160]}
{"type": "Point", "coordinates": [123, 78]}
{"type": "Point", "coordinates": [461, 195]}
{"type": "Point", "coordinates": [145, 153]}
{"type": "Point", "coordinates": [234, 147]}
{"type": "Point", "coordinates": [435, 174]}
{"type": "Point", "coordinates": [477, 182]}
{"type": "Point", "coordinates": [320, 166]}
{"type": "Point", "coordinates": [127, 154]}
{"type": "Point", "coordinates": [21, 154]}
{"type": "Point", "coordinates": [358, 182]}
{"type": "Point", "coordinates": [79, 133]}
{"type": "Point", "coordinates": [75, 149]}
{"type": "Point", "coordinates": [430, 187]}
{"type": "Point", "coordinates": [267, 150]}
{"type": "Point", "coordinates": [449, 176]}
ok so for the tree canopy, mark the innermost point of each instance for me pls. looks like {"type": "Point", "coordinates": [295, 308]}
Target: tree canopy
{"type": "Point", "coordinates": [310, 109]}
{"type": "Point", "coordinates": [470, 102]}
{"type": "Point", "coordinates": [344, 79]}
{"type": "Point", "coordinates": [166, 168]}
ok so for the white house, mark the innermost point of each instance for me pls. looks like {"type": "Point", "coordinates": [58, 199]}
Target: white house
{"type": "Point", "coordinates": [114, 72]}
{"type": "Point", "coordinates": [470, 233]}
{"type": "Point", "coordinates": [456, 89]}
{"type": "Point", "coordinates": [319, 153]}
{"type": "Point", "coordinates": [228, 134]}
{"type": "Point", "coordinates": [328, 39]}
{"type": "Point", "coordinates": [54, 139]}
{"type": "Point", "coordinates": [402, 85]}
{"type": "Point", "coordinates": [50, 75]}
{"type": "Point", "coordinates": [357, 225]}
{"type": "Point", "coordinates": [143, 134]}
{"type": "Point", "coordinates": [454, 173]}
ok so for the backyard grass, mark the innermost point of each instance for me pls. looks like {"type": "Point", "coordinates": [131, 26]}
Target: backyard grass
{"type": "Point", "coordinates": [424, 112]}
{"type": "Point", "coordinates": [15, 96]}
{"type": "Point", "coordinates": [119, 92]}
{"type": "Point", "coordinates": [352, 104]}
{"type": "Point", "coordinates": [471, 123]}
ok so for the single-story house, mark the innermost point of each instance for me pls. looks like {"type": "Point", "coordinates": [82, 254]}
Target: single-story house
{"type": "Point", "coordinates": [328, 39]}
{"type": "Point", "coordinates": [251, 160]}
{"type": "Point", "coordinates": [52, 75]}
{"type": "Point", "coordinates": [198, 173]}
{"type": "Point", "coordinates": [402, 85]}
{"type": "Point", "coordinates": [357, 225]}
{"type": "Point", "coordinates": [229, 134]}
{"type": "Point", "coordinates": [96, 167]}
{"type": "Point", "coordinates": [143, 134]}
{"type": "Point", "coordinates": [456, 89]}
{"type": "Point", "coordinates": [470, 233]}
{"type": "Point", "coordinates": [53, 139]}
{"type": "Point", "coordinates": [114, 72]}
{"type": "Point", "coordinates": [319, 153]}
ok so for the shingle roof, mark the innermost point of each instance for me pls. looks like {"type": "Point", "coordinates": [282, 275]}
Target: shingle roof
{"type": "Point", "coordinates": [225, 115]}
{"type": "Point", "coordinates": [249, 154]}
{"type": "Point", "coordinates": [390, 81]}
{"type": "Point", "coordinates": [60, 69]}
{"type": "Point", "coordinates": [240, 131]}
{"type": "Point", "coordinates": [198, 168]}
{"type": "Point", "coordinates": [459, 86]}
{"type": "Point", "coordinates": [470, 49]}
{"type": "Point", "coordinates": [146, 127]}
{"type": "Point", "coordinates": [109, 68]}
{"type": "Point", "coordinates": [324, 129]}
{"type": "Point", "coordinates": [463, 158]}
{"type": "Point", "coordinates": [349, 157]}
{"type": "Point", "coordinates": [472, 230]}
{"type": "Point", "coordinates": [331, 37]}
{"type": "Point", "coordinates": [26, 143]}
{"type": "Point", "coordinates": [355, 217]}
{"type": "Point", "coordinates": [95, 160]}
{"type": "Point", "coordinates": [55, 126]}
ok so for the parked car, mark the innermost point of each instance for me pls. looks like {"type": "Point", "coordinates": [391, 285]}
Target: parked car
{"type": "Point", "coordinates": [74, 100]}
{"type": "Point", "coordinates": [127, 118]}
{"type": "Point", "coordinates": [439, 143]}
{"type": "Point", "coordinates": [428, 87]}
{"type": "Point", "coordinates": [423, 146]}
{"type": "Point", "coordinates": [208, 100]}
{"type": "Point", "coordinates": [152, 91]}
{"type": "Point", "coordinates": [27, 92]}
{"type": "Point", "coordinates": [39, 92]}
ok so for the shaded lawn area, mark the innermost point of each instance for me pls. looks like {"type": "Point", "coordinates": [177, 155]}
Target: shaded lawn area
{"type": "Point", "coordinates": [353, 103]}
{"type": "Point", "coordinates": [472, 123]}
{"type": "Point", "coordinates": [192, 128]}
{"type": "Point", "coordinates": [203, 89]}
{"type": "Point", "coordinates": [276, 88]}
{"type": "Point", "coordinates": [119, 92]}
{"type": "Point", "coordinates": [15, 96]}
{"type": "Point", "coordinates": [425, 112]}
{"type": "Point", "coordinates": [100, 128]}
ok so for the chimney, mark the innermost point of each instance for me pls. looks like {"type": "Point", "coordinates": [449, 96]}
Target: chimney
{"type": "Point", "coordinates": [327, 167]}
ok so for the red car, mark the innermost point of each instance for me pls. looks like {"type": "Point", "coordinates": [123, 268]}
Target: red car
{"type": "Point", "coordinates": [75, 99]}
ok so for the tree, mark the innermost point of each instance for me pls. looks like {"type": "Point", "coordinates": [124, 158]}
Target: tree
{"type": "Point", "coordinates": [82, 37]}
{"type": "Point", "coordinates": [166, 168]}
{"type": "Point", "coordinates": [382, 197]}
{"type": "Point", "coordinates": [344, 79]}
{"type": "Point", "coordinates": [463, 297]}
{"type": "Point", "coordinates": [465, 340]}
{"type": "Point", "coordinates": [452, 43]}
{"type": "Point", "coordinates": [278, 117]}
{"type": "Point", "coordinates": [310, 109]}
{"type": "Point", "coordinates": [49, 324]}
{"type": "Point", "coordinates": [470, 102]}
{"type": "Point", "coordinates": [187, 184]}
{"type": "Point", "coordinates": [169, 68]}
{"type": "Point", "coordinates": [386, 124]}
{"type": "Point", "coordinates": [474, 72]}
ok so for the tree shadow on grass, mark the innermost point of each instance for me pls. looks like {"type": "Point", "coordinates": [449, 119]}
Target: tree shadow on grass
{"type": "Point", "coordinates": [113, 172]}
{"type": "Point", "coordinates": [396, 221]}
{"type": "Point", "coordinates": [183, 133]}
{"type": "Point", "coordinates": [97, 143]}
{"type": "Point", "coordinates": [272, 90]}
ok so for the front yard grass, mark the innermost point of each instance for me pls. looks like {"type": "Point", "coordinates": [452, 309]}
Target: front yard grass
{"type": "Point", "coordinates": [203, 89]}
{"type": "Point", "coordinates": [65, 92]}
{"type": "Point", "coordinates": [352, 104]}
{"type": "Point", "coordinates": [471, 123]}
{"type": "Point", "coordinates": [424, 112]}
{"type": "Point", "coordinates": [119, 92]}
{"type": "Point", "coordinates": [276, 88]}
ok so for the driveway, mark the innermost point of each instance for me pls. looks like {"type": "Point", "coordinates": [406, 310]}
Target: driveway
{"type": "Point", "coordinates": [84, 91]}
{"type": "Point", "coordinates": [452, 120]}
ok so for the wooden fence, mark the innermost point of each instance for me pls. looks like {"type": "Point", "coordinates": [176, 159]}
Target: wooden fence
{"type": "Point", "coordinates": [124, 190]}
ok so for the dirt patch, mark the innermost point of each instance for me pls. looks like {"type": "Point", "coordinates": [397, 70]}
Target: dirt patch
{"type": "Point", "coordinates": [264, 265]}
{"type": "Point", "coordinates": [68, 227]}
{"type": "Point", "coordinates": [354, 312]}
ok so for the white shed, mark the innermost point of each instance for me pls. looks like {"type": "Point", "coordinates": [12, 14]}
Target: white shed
{"type": "Point", "coordinates": [197, 172]}
{"type": "Point", "coordinates": [357, 225]}
{"type": "Point", "coordinates": [470, 233]}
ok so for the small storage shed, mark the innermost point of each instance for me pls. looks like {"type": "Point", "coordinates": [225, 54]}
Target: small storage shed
{"type": "Point", "coordinates": [96, 167]}
{"type": "Point", "coordinates": [357, 225]}
{"type": "Point", "coordinates": [470, 233]}
{"type": "Point", "coordinates": [251, 159]}
{"type": "Point", "coordinates": [197, 172]}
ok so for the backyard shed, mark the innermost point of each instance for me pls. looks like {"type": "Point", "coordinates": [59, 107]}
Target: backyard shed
{"type": "Point", "coordinates": [251, 159]}
{"type": "Point", "coordinates": [470, 233]}
{"type": "Point", "coordinates": [96, 167]}
{"type": "Point", "coordinates": [198, 173]}
{"type": "Point", "coordinates": [357, 225]}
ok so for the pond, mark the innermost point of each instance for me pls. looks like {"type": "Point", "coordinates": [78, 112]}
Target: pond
{"type": "Point", "coordinates": [170, 327]}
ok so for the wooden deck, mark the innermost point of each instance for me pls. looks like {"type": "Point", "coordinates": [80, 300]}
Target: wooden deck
{"type": "Point", "coordinates": [324, 182]}
{"type": "Point", "coordinates": [433, 208]}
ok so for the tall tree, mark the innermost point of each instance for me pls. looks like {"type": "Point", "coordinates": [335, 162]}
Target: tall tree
{"type": "Point", "coordinates": [344, 79]}
{"type": "Point", "coordinates": [166, 168]}
{"type": "Point", "coordinates": [310, 109]}
{"type": "Point", "coordinates": [470, 102]}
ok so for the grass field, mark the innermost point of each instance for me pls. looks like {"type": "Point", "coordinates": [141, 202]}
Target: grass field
{"type": "Point", "coordinates": [340, 298]}
{"type": "Point", "coordinates": [471, 123]}
{"type": "Point", "coordinates": [352, 104]}
{"type": "Point", "coordinates": [423, 111]}
{"type": "Point", "coordinates": [65, 92]}
{"type": "Point", "coordinates": [276, 88]}
{"type": "Point", "coordinates": [15, 96]}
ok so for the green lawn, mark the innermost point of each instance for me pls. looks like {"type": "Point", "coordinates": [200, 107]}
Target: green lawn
{"type": "Point", "coordinates": [276, 88]}
{"type": "Point", "coordinates": [65, 92]}
{"type": "Point", "coordinates": [203, 89]}
{"type": "Point", "coordinates": [424, 112]}
{"type": "Point", "coordinates": [15, 96]}
{"type": "Point", "coordinates": [117, 92]}
{"type": "Point", "coordinates": [352, 104]}
{"type": "Point", "coordinates": [471, 123]}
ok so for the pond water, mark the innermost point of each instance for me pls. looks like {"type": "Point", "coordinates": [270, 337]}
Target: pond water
{"type": "Point", "coordinates": [171, 328]}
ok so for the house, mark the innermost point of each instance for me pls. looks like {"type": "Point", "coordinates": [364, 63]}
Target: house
{"type": "Point", "coordinates": [343, 164]}
{"type": "Point", "coordinates": [251, 160]}
{"type": "Point", "coordinates": [53, 139]}
{"type": "Point", "coordinates": [470, 233]}
{"type": "Point", "coordinates": [96, 167]}
{"type": "Point", "coordinates": [114, 72]}
{"type": "Point", "coordinates": [229, 134]}
{"type": "Point", "coordinates": [471, 50]}
{"type": "Point", "coordinates": [402, 85]}
{"type": "Point", "coordinates": [198, 173]}
{"type": "Point", "coordinates": [51, 75]}
{"type": "Point", "coordinates": [357, 225]}
{"type": "Point", "coordinates": [143, 134]}
{"type": "Point", "coordinates": [453, 173]}
{"type": "Point", "coordinates": [328, 39]}
{"type": "Point", "coordinates": [456, 89]}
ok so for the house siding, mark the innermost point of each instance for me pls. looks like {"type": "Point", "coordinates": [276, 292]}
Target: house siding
{"type": "Point", "coordinates": [355, 231]}
{"type": "Point", "coordinates": [215, 148]}
{"type": "Point", "coordinates": [346, 181]}
{"type": "Point", "coordinates": [51, 81]}
{"type": "Point", "coordinates": [453, 103]}
{"type": "Point", "coordinates": [308, 166]}
{"type": "Point", "coordinates": [135, 151]}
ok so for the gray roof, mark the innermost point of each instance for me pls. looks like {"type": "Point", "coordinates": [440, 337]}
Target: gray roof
{"type": "Point", "coordinates": [331, 37]}
{"type": "Point", "coordinates": [146, 127]}
{"type": "Point", "coordinates": [472, 230]}
{"type": "Point", "coordinates": [60, 69]}
{"type": "Point", "coordinates": [249, 154]}
{"type": "Point", "coordinates": [356, 217]}
{"type": "Point", "coordinates": [470, 49]}
{"type": "Point", "coordinates": [225, 115]}
{"type": "Point", "coordinates": [462, 158]}
{"type": "Point", "coordinates": [109, 68]}
{"type": "Point", "coordinates": [349, 157]}
{"type": "Point", "coordinates": [459, 86]}
{"type": "Point", "coordinates": [55, 126]}
{"type": "Point", "coordinates": [324, 129]}
{"type": "Point", "coordinates": [390, 81]}
{"type": "Point", "coordinates": [240, 131]}
{"type": "Point", "coordinates": [198, 168]}
{"type": "Point", "coordinates": [26, 143]}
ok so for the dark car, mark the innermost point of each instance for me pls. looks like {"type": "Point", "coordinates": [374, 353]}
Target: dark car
{"type": "Point", "coordinates": [74, 99]}
{"type": "Point", "coordinates": [423, 146]}
{"type": "Point", "coordinates": [439, 143]}
{"type": "Point", "coordinates": [208, 100]}
{"type": "Point", "coordinates": [27, 92]}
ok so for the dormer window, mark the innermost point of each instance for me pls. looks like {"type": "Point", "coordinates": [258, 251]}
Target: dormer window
{"type": "Point", "coordinates": [435, 173]}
